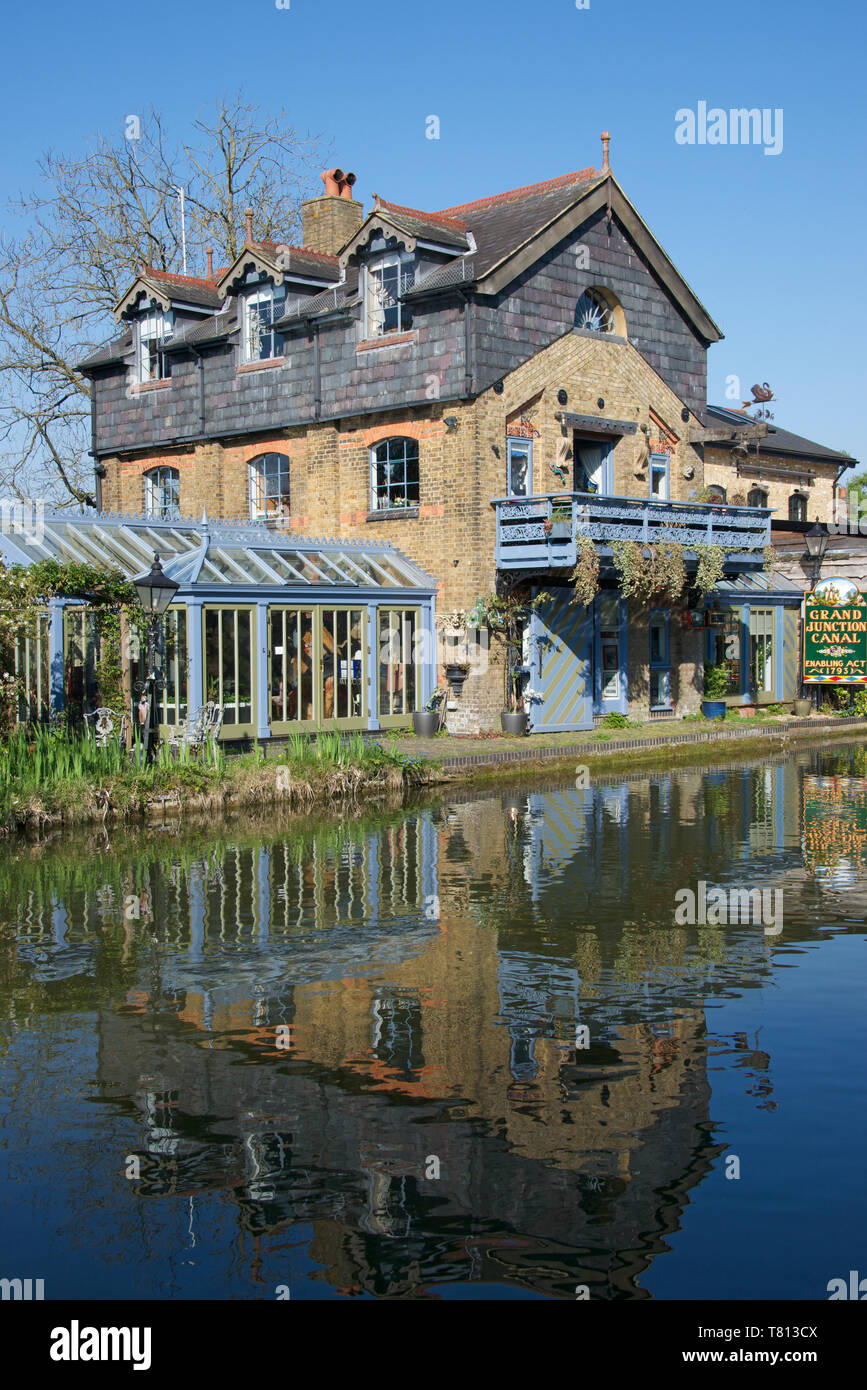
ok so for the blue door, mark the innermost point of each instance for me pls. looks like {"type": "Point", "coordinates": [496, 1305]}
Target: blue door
{"type": "Point", "coordinates": [561, 667]}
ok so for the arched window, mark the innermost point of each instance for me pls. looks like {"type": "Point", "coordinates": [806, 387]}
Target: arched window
{"type": "Point", "coordinates": [715, 493]}
{"type": "Point", "coordinates": [595, 314]}
{"type": "Point", "coordinates": [163, 493]}
{"type": "Point", "coordinates": [757, 497]}
{"type": "Point", "coordinates": [797, 507]}
{"type": "Point", "coordinates": [394, 474]}
{"type": "Point", "coordinates": [269, 487]}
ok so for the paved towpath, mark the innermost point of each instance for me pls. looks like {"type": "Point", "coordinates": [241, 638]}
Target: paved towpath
{"type": "Point", "coordinates": [457, 753]}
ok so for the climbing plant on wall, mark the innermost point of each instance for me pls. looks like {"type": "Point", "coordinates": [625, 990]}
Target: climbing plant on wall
{"type": "Point", "coordinates": [109, 596]}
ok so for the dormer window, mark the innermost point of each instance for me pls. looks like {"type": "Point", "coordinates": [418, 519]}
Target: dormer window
{"type": "Point", "coordinates": [262, 307]}
{"type": "Point", "coordinates": [387, 279]}
{"type": "Point", "coordinates": [154, 331]}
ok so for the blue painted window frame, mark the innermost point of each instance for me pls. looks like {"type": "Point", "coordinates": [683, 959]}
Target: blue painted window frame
{"type": "Point", "coordinates": [606, 489]}
{"type": "Point", "coordinates": [526, 445]}
{"type": "Point", "coordinates": [662, 663]}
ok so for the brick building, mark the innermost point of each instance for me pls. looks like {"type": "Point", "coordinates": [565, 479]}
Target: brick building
{"type": "Point", "coordinates": [482, 387]}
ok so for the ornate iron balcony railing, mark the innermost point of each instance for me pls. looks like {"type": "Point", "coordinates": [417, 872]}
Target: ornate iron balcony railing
{"type": "Point", "coordinates": [529, 536]}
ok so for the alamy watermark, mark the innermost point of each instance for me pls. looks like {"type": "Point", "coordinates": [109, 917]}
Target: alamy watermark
{"type": "Point", "coordinates": [719, 907]}
{"type": "Point", "coordinates": [736, 126]}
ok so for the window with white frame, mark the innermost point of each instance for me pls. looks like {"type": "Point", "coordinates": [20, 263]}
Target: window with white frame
{"type": "Point", "coordinates": [660, 659]}
{"type": "Point", "coordinates": [269, 487]}
{"type": "Point", "coordinates": [261, 309]}
{"type": "Point", "coordinates": [388, 277]}
{"type": "Point", "coordinates": [163, 493]}
{"type": "Point", "coordinates": [154, 331]}
{"type": "Point", "coordinates": [659, 477]}
{"type": "Point", "coordinates": [519, 464]}
{"type": "Point", "coordinates": [394, 474]}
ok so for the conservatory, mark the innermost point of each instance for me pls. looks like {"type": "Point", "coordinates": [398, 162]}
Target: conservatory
{"type": "Point", "coordinates": [284, 633]}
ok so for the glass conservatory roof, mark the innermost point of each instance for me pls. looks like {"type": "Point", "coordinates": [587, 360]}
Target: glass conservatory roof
{"type": "Point", "coordinates": [207, 553]}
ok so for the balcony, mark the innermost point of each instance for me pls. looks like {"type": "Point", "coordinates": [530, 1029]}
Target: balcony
{"type": "Point", "coordinates": [523, 543]}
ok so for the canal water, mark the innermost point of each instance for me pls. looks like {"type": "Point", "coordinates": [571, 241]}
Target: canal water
{"type": "Point", "coordinates": [495, 1044]}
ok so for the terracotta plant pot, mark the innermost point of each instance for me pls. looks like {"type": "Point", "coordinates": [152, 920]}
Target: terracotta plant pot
{"type": "Point", "coordinates": [515, 722]}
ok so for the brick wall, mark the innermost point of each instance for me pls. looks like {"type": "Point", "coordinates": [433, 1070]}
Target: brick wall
{"type": "Point", "coordinates": [819, 492]}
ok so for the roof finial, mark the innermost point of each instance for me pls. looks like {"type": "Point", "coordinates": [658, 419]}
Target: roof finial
{"type": "Point", "coordinates": [606, 138]}
{"type": "Point", "coordinates": [248, 218]}
{"type": "Point", "coordinates": [204, 521]}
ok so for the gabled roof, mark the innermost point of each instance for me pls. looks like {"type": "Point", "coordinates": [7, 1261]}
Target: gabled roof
{"type": "Point", "coordinates": [167, 289]}
{"type": "Point", "coordinates": [777, 440]}
{"type": "Point", "coordinates": [281, 262]}
{"type": "Point", "coordinates": [507, 233]}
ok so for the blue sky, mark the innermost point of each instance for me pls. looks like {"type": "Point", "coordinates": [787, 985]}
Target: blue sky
{"type": "Point", "coordinates": [772, 244]}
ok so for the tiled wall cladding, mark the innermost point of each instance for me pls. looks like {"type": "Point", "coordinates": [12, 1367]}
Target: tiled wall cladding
{"type": "Point", "coordinates": [536, 309]}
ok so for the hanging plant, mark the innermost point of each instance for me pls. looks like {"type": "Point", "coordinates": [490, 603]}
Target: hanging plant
{"type": "Point", "coordinates": [710, 567]}
{"type": "Point", "coordinates": [653, 573]}
{"type": "Point", "coordinates": [585, 575]}
{"type": "Point", "coordinates": [668, 572]}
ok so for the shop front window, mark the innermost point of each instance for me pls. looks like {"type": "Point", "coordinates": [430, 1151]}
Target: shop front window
{"type": "Point", "coordinates": [174, 663]}
{"type": "Point", "coordinates": [762, 650]}
{"type": "Point", "coordinates": [229, 663]}
{"type": "Point", "coordinates": [32, 667]}
{"type": "Point", "coordinates": [725, 647]}
{"type": "Point", "coordinates": [291, 665]}
{"type": "Point", "coordinates": [398, 672]}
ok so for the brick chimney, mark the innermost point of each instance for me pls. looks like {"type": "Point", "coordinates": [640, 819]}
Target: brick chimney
{"type": "Point", "coordinates": [328, 222]}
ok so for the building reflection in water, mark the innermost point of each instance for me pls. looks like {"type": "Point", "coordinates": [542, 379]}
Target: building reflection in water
{"type": "Point", "coordinates": [374, 1028]}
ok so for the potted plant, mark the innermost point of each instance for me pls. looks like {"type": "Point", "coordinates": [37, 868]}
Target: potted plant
{"type": "Point", "coordinates": [713, 706]}
{"type": "Point", "coordinates": [428, 721]}
{"type": "Point", "coordinates": [561, 524]}
{"type": "Point", "coordinates": [504, 613]}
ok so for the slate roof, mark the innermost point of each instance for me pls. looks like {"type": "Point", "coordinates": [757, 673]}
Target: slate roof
{"type": "Point", "coordinates": [458, 272]}
{"type": "Point", "coordinates": [210, 330]}
{"type": "Point", "coordinates": [106, 355]}
{"type": "Point", "coordinates": [428, 226]}
{"type": "Point", "coordinates": [777, 440]}
{"type": "Point", "coordinates": [503, 223]}
{"type": "Point", "coordinates": [338, 297]}
{"type": "Point", "coordinates": [189, 288]}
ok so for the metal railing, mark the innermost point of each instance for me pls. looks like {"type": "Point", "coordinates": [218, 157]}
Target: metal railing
{"type": "Point", "coordinates": [544, 529]}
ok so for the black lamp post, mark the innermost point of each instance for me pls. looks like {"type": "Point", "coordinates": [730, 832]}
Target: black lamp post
{"type": "Point", "coordinates": [155, 592]}
{"type": "Point", "coordinates": [816, 541]}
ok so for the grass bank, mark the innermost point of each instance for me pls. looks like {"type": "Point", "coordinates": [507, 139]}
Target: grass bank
{"type": "Point", "coordinates": [51, 778]}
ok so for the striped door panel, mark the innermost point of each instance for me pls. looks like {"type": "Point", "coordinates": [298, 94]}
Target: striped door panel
{"type": "Point", "coordinates": [791, 653]}
{"type": "Point", "coordinates": [564, 678]}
